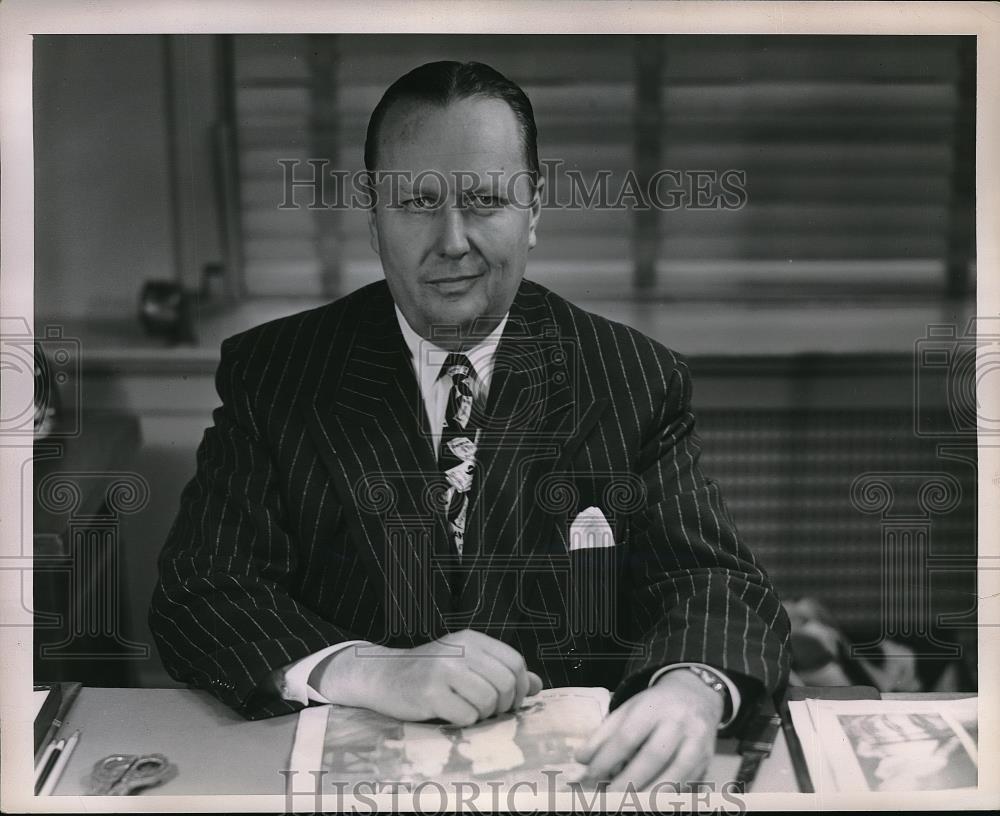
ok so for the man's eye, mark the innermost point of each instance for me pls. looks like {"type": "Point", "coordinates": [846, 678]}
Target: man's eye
{"type": "Point", "coordinates": [485, 202]}
{"type": "Point", "coordinates": [419, 204]}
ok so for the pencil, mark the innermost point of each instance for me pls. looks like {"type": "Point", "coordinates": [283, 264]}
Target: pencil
{"type": "Point", "coordinates": [48, 761]}
{"type": "Point", "coordinates": [61, 763]}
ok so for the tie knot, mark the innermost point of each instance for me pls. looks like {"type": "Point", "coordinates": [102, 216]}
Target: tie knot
{"type": "Point", "coordinates": [457, 365]}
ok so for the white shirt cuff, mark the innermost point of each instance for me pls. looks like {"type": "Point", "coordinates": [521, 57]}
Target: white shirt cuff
{"type": "Point", "coordinates": [734, 693]}
{"type": "Point", "coordinates": [294, 683]}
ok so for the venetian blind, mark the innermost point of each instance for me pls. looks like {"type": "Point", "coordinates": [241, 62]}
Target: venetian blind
{"type": "Point", "coordinates": [848, 146]}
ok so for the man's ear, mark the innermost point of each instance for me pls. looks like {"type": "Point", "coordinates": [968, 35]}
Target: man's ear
{"type": "Point", "coordinates": [373, 230]}
{"type": "Point", "coordinates": [368, 183]}
{"type": "Point", "coordinates": [535, 213]}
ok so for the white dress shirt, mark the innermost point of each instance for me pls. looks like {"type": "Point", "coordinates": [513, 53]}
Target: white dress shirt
{"type": "Point", "coordinates": [427, 360]}
{"type": "Point", "coordinates": [435, 389]}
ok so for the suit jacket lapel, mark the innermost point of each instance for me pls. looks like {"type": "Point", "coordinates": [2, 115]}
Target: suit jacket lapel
{"type": "Point", "coordinates": [371, 428]}
{"type": "Point", "coordinates": [535, 422]}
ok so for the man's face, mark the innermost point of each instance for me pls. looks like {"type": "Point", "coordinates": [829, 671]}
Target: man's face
{"type": "Point", "coordinates": [450, 257]}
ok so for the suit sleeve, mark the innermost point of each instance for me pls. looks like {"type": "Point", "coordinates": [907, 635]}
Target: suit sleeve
{"type": "Point", "coordinates": [222, 614]}
{"type": "Point", "coordinates": [699, 593]}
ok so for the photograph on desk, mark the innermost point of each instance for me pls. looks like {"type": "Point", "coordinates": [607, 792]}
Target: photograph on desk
{"type": "Point", "coordinates": [541, 737]}
{"type": "Point", "coordinates": [880, 745]}
{"type": "Point", "coordinates": [480, 404]}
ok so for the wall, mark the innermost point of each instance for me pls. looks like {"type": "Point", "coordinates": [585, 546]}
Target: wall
{"type": "Point", "coordinates": [123, 153]}
{"type": "Point", "coordinates": [102, 187]}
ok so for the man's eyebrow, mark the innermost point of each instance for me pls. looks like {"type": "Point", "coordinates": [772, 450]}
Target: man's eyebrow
{"type": "Point", "coordinates": [488, 185]}
{"type": "Point", "coordinates": [406, 187]}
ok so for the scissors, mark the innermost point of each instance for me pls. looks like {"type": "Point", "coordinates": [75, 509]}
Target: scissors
{"type": "Point", "coordinates": [122, 774]}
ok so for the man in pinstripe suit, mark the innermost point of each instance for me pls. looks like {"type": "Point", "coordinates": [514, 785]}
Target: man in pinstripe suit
{"type": "Point", "coordinates": [328, 550]}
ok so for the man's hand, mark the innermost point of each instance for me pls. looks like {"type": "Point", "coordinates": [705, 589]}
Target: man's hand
{"type": "Point", "coordinates": [462, 678]}
{"type": "Point", "coordinates": [664, 732]}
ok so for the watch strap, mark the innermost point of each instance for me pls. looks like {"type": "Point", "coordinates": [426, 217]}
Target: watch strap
{"type": "Point", "coordinates": [714, 682]}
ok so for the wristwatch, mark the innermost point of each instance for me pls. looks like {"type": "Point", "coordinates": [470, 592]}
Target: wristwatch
{"type": "Point", "coordinates": [714, 682]}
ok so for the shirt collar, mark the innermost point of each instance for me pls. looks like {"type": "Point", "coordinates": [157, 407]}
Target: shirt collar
{"type": "Point", "coordinates": [428, 357]}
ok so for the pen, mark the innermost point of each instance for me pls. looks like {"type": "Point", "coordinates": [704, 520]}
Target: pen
{"type": "Point", "coordinates": [61, 763]}
{"type": "Point", "coordinates": [795, 751]}
{"type": "Point", "coordinates": [49, 759]}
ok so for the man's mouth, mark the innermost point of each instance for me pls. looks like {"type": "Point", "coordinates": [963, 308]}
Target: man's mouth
{"type": "Point", "coordinates": [456, 278]}
{"type": "Point", "coordinates": [454, 286]}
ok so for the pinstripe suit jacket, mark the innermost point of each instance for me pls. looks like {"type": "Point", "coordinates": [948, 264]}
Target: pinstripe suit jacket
{"type": "Point", "coordinates": [313, 516]}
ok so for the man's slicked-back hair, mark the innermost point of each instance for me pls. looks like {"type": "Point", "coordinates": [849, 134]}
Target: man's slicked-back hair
{"type": "Point", "coordinates": [440, 83]}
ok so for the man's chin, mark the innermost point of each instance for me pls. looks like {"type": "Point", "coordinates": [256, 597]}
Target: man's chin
{"type": "Point", "coordinates": [457, 312]}
{"type": "Point", "coordinates": [468, 325]}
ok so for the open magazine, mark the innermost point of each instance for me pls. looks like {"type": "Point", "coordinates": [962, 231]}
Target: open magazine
{"type": "Point", "coordinates": [354, 744]}
{"type": "Point", "coordinates": [889, 745]}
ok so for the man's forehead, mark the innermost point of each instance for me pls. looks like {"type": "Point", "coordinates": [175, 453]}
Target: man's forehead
{"type": "Point", "coordinates": [475, 135]}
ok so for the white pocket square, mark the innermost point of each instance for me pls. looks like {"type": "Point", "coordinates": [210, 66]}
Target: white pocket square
{"type": "Point", "coordinates": [590, 530]}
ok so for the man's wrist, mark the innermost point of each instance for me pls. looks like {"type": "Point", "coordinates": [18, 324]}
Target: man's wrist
{"type": "Point", "coordinates": [696, 694]}
{"type": "Point", "coordinates": [733, 693]}
{"type": "Point", "coordinates": [352, 676]}
{"type": "Point", "coordinates": [292, 682]}
{"type": "Point", "coordinates": [712, 681]}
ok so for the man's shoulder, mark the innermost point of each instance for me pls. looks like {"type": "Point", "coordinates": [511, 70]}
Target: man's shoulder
{"type": "Point", "coordinates": [599, 334]}
{"type": "Point", "coordinates": [322, 325]}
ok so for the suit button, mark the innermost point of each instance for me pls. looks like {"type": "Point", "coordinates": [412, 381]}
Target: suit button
{"type": "Point", "coordinates": [576, 665]}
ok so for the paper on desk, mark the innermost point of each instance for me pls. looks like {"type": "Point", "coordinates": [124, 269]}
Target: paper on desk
{"type": "Point", "coordinates": [889, 745]}
{"type": "Point", "coordinates": [37, 701]}
{"type": "Point", "coordinates": [355, 745]}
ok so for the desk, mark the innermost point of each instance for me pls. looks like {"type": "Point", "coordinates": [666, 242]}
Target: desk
{"type": "Point", "coordinates": [218, 752]}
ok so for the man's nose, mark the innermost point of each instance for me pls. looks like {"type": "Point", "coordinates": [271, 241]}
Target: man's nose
{"type": "Point", "coordinates": [453, 238]}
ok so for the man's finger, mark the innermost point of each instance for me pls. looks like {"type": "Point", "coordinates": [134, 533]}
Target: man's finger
{"type": "Point", "coordinates": [528, 684]}
{"type": "Point", "coordinates": [535, 684]}
{"type": "Point", "coordinates": [505, 653]}
{"type": "Point", "coordinates": [618, 748]}
{"type": "Point", "coordinates": [650, 761]}
{"type": "Point", "coordinates": [498, 676]}
{"type": "Point", "coordinates": [604, 730]}
{"type": "Point", "coordinates": [474, 689]}
{"type": "Point", "coordinates": [449, 706]}
{"type": "Point", "coordinates": [614, 753]}
{"type": "Point", "coordinates": [514, 661]}
{"type": "Point", "coordinates": [690, 762]}
{"type": "Point", "coordinates": [520, 690]}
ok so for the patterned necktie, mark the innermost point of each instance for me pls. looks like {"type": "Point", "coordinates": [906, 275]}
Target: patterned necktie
{"type": "Point", "coordinates": [457, 454]}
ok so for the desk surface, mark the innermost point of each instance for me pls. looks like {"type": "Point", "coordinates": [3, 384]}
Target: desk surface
{"type": "Point", "coordinates": [218, 752]}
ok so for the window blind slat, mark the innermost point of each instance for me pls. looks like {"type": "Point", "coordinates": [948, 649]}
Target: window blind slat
{"type": "Point", "coordinates": [848, 145]}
